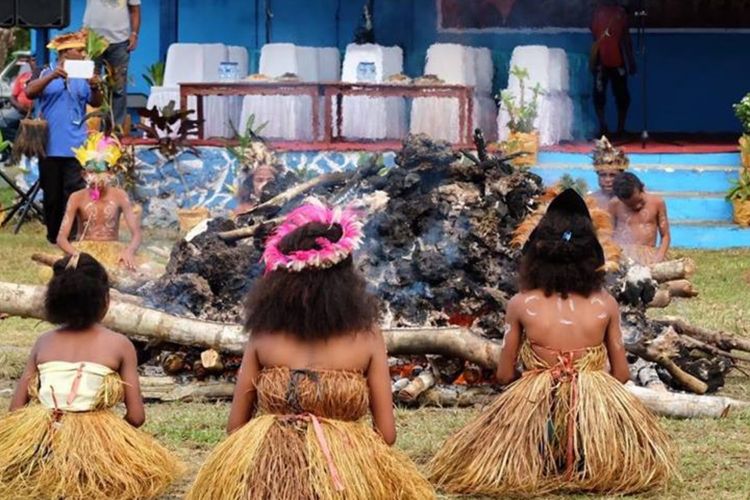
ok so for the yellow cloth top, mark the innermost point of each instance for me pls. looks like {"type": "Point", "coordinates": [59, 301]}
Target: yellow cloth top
{"type": "Point", "coordinates": [71, 387]}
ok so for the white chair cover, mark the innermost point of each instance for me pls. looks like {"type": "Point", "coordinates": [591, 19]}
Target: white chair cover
{"type": "Point", "coordinates": [373, 118]}
{"type": "Point", "coordinates": [458, 65]}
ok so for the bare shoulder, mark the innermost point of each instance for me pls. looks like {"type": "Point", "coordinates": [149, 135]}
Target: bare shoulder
{"type": "Point", "coordinates": [76, 197]}
{"type": "Point", "coordinates": [120, 195]}
{"type": "Point", "coordinates": [116, 339]}
{"type": "Point", "coordinates": [656, 200]}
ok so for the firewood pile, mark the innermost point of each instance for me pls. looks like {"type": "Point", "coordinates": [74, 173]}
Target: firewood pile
{"type": "Point", "coordinates": [437, 251]}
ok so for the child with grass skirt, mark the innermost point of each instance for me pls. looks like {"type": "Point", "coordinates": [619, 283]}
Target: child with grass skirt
{"type": "Point", "coordinates": [62, 439]}
{"type": "Point", "coordinates": [314, 367]}
{"type": "Point", "coordinates": [566, 423]}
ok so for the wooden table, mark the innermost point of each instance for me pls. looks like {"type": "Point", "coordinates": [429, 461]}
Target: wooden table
{"type": "Point", "coordinates": [263, 88]}
{"type": "Point", "coordinates": [331, 91]}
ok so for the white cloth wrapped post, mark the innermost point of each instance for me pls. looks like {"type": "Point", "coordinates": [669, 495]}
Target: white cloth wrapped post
{"type": "Point", "coordinates": [372, 118]}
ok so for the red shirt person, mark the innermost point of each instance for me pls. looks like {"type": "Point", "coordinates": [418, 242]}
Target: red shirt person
{"type": "Point", "coordinates": [612, 60]}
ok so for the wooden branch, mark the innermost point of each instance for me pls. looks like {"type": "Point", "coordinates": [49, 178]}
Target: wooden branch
{"type": "Point", "coordinates": [658, 351]}
{"type": "Point", "coordinates": [722, 340]}
{"type": "Point", "coordinates": [291, 193]}
{"type": "Point", "coordinates": [673, 269]}
{"type": "Point", "coordinates": [692, 343]}
{"type": "Point", "coordinates": [173, 363]}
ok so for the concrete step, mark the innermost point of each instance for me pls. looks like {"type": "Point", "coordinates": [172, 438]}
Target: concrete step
{"type": "Point", "coordinates": [709, 235]}
{"type": "Point", "coordinates": [638, 159]}
{"type": "Point", "coordinates": [672, 178]}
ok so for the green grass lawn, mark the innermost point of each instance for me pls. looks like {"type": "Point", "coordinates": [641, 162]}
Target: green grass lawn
{"type": "Point", "coordinates": [715, 454]}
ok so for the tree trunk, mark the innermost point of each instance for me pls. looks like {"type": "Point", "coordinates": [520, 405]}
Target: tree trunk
{"type": "Point", "coordinates": [673, 269]}
{"type": "Point", "coordinates": [681, 288]}
{"type": "Point", "coordinates": [152, 325]}
{"type": "Point", "coordinates": [677, 405]}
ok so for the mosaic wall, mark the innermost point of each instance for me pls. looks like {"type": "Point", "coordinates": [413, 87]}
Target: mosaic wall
{"type": "Point", "coordinates": [205, 180]}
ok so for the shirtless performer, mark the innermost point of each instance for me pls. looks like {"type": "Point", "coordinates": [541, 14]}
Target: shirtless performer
{"type": "Point", "coordinates": [260, 168]}
{"type": "Point", "coordinates": [609, 162]}
{"type": "Point", "coordinates": [98, 207]}
{"type": "Point", "coordinates": [638, 216]}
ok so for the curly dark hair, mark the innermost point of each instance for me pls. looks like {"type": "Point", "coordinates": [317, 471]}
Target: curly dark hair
{"type": "Point", "coordinates": [314, 303]}
{"type": "Point", "coordinates": [77, 297]}
{"type": "Point", "coordinates": [562, 257]}
{"type": "Point", "coordinates": [626, 184]}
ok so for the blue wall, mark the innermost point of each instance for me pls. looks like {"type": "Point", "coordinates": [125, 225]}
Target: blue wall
{"type": "Point", "coordinates": [692, 78]}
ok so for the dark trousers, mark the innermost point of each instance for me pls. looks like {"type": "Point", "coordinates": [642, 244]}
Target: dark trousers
{"type": "Point", "coordinates": [59, 177]}
{"type": "Point", "coordinates": [618, 77]}
{"type": "Point", "coordinates": [118, 58]}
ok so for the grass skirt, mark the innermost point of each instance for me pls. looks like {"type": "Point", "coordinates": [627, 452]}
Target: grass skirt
{"type": "Point", "coordinates": [520, 444]}
{"type": "Point", "coordinates": [277, 456]}
{"type": "Point", "coordinates": [77, 456]}
{"type": "Point", "coordinates": [272, 457]}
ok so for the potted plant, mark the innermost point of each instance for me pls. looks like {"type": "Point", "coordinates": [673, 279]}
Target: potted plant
{"type": "Point", "coordinates": [739, 195]}
{"type": "Point", "coordinates": [523, 110]}
{"type": "Point", "coordinates": [742, 112]}
{"type": "Point", "coordinates": [171, 128]}
{"type": "Point", "coordinates": [154, 75]}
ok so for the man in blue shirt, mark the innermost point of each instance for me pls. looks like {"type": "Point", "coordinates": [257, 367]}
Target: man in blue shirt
{"type": "Point", "coordinates": [62, 102]}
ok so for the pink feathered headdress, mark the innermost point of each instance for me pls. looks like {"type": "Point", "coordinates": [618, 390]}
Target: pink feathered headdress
{"type": "Point", "coordinates": [329, 254]}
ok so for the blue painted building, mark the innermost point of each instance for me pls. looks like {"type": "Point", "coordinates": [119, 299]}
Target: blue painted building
{"type": "Point", "coordinates": [693, 77]}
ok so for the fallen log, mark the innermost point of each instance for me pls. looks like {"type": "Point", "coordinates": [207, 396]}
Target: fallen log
{"type": "Point", "coordinates": [661, 299]}
{"type": "Point", "coordinates": [211, 361]}
{"type": "Point", "coordinates": [450, 396]}
{"type": "Point", "coordinates": [149, 324]}
{"type": "Point", "coordinates": [173, 363]}
{"type": "Point", "coordinates": [722, 340]}
{"type": "Point", "coordinates": [672, 269]}
{"type": "Point", "coordinates": [421, 383]}
{"type": "Point", "coordinates": [681, 288]}
{"type": "Point", "coordinates": [677, 405]}
{"type": "Point", "coordinates": [167, 389]}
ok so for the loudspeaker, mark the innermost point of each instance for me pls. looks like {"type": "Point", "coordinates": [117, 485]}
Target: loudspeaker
{"type": "Point", "coordinates": [7, 13]}
{"type": "Point", "coordinates": [42, 13]}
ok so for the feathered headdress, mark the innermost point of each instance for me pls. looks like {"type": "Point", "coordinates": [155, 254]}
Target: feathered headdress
{"type": "Point", "coordinates": [98, 153]}
{"type": "Point", "coordinates": [607, 156]}
{"type": "Point", "coordinates": [76, 40]}
{"type": "Point", "coordinates": [97, 156]}
{"type": "Point", "coordinates": [328, 253]}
